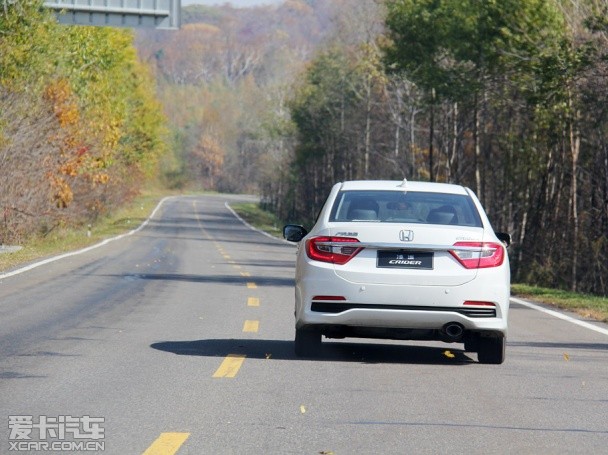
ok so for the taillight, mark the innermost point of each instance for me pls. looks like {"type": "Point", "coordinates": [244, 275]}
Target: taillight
{"type": "Point", "coordinates": [481, 255]}
{"type": "Point", "coordinates": [317, 249]}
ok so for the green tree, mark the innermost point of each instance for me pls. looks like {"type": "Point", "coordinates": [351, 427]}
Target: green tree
{"type": "Point", "coordinates": [322, 112]}
{"type": "Point", "coordinates": [454, 49]}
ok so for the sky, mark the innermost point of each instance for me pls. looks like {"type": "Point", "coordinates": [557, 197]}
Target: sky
{"type": "Point", "coordinates": [236, 3]}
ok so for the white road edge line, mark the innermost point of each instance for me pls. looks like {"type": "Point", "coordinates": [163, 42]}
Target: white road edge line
{"type": "Point", "coordinates": [562, 316]}
{"type": "Point", "coordinates": [84, 250]}
{"type": "Point", "coordinates": [253, 228]}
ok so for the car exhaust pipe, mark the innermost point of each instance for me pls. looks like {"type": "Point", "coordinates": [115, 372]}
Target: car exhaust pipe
{"type": "Point", "coordinates": [452, 332]}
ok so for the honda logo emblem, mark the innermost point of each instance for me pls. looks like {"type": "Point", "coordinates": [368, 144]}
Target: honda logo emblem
{"type": "Point", "coordinates": [406, 236]}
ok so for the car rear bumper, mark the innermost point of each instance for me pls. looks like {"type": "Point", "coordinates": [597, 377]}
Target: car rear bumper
{"type": "Point", "coordinates": [402, 306]}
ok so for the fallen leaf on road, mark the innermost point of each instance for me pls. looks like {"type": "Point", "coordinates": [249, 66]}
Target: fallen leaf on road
{"type": "Point", "coordinates": [566, 356]}
{"type": "Point", "coordinates": [448, 354]}
{"type": "Point", "coordinates": [302, 409]}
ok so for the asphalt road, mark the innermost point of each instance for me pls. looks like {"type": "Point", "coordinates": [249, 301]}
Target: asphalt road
{"type": "Point", "coordinates": [178, 339]}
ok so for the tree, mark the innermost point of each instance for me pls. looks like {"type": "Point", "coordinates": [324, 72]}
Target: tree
{"type": "Point", "coordinates": [80, 127]}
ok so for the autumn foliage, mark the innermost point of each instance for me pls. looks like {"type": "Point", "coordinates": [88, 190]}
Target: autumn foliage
{"type": "Point", "coordinates": [508, 98]}
{"type": "Point", "coordinates": [80, 128]}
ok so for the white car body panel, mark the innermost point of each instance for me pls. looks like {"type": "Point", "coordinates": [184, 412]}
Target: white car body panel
{"type": "Point", "coordinates": [359, 294]}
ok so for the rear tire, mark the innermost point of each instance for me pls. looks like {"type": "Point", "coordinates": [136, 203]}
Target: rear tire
{"type": "Point", "coordinates": [307, 343]}
{"type": "Point", "coordinates": [492, 350]}
{"type": "Point", "coordinates": [471, 342]}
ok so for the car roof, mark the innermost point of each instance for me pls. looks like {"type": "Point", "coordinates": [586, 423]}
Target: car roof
{"type": "Point", "coordinates": [398, 185]}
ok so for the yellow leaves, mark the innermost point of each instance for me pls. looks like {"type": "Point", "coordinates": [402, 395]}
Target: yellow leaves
{"type": "Point", "coordinates": [211, 152]}
{"type": "Point", "coordinates": [302, 409]}
{"type": "Point", "coordinates": [210, 157]}
{"type": "Point", "coordinates": [70, 168]}
{"type": "Point", "coordinates": [449, 354]}
{"type": "Point", "coordinates": [75, 157]}
{"type": "Point", "coordinates": [62, 195]}
{"type": "Point", "coordinates": [566, 357]}
{"type": "Point", "coordinates": [62, 191]}
{"type": "Point", "coordinates": [101, 178]}
{"type": "Point", "coordinates": [111, 132]}
{"type": "Point", "coordinates": [61, 96]}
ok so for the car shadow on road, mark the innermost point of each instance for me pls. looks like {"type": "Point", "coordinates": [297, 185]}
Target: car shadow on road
{"type": "Point", "coordinates": [372, 353]}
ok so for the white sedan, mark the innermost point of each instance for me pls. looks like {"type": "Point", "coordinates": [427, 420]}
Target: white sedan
{"type": "Point", "coordinates": [402, 260]}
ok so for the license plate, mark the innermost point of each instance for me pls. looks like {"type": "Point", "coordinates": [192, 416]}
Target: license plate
{"type": "Point", "coordinates": [403, 259]}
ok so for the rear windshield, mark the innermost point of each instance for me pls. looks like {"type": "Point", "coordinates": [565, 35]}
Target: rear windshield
{"type": "Point", "coordinates": [410, 207]}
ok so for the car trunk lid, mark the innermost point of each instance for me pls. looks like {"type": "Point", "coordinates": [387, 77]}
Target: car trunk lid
{"type": "Point", "coordinates": [402, 254]}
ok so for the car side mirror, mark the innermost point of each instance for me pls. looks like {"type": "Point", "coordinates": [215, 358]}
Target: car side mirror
{"type": "Point", "coordinates": [504, 238]}
{"type": "Point", "coordinates": [294, 232]}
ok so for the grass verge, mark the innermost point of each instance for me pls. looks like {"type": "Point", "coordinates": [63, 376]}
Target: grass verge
{"type": "Point", "coordinates": [62, 240]}
{"type": "Point", "coordinates": [588, 306]}
{"type": "Point", "coordinates": [258, 218]}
